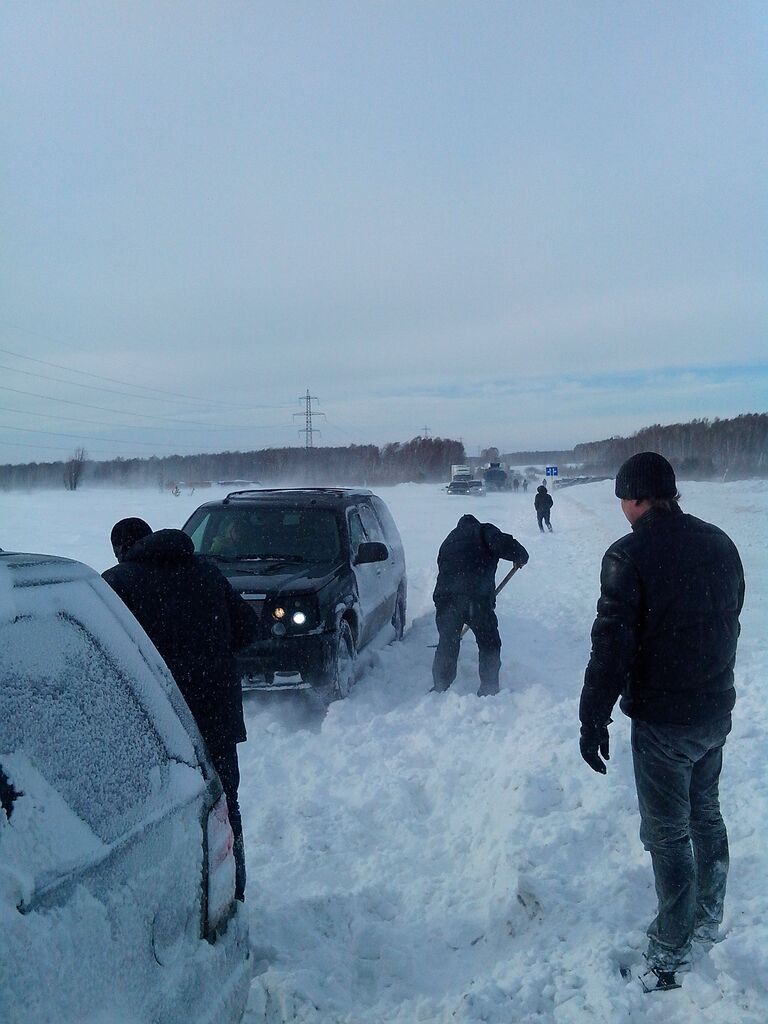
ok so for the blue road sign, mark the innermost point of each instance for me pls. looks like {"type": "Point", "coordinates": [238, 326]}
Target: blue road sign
{"type": "Point", "coordinates": [551, 471]}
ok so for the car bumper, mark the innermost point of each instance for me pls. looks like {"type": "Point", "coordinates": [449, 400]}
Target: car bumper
{"type": "Point", "coordinates": [283, 663]}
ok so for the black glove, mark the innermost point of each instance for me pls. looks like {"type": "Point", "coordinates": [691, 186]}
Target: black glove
{"type": "Point", "coordinates": [594, 739]}
{"type": "Point", "coordinates": [7, 793]}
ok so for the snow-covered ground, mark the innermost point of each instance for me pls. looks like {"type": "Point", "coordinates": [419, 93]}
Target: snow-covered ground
{"type": "Point", "coordinates": [448, 859]}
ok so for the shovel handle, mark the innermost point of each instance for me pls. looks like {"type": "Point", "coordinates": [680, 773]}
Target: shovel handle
{"type": "Point", "coordinates": [500, 587]}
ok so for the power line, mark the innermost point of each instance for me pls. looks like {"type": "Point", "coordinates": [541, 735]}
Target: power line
{"type": "Point", "coordinates": [98, 387]}
{"type": "Point", "coordinates": [101, 423]}
{"type": "Point", "coordinates": [47, 447]}
{"type": "Point", "coordinates": [90, 437]}
{"type": "Point", "coordinates": [114, 380]}
{"type": "Point", "coordinates": [120, 412]}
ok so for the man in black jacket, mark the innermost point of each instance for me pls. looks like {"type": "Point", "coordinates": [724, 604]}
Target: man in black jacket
{"type": "Point", "coordinates": [196, 621]}
{"type": "Point", "coordinates": [465, 593]}
{"type": "Point", "coordinates": [543, 504]}
{"type": "Point", "coordinates": [665, 640]}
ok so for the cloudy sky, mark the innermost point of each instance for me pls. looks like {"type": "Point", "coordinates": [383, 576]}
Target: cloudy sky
{"type": "Point", "coordinates": [525, 223]}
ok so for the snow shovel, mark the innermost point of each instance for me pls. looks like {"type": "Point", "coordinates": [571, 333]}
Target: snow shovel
{"type": "Point", "coordinates": [500, 587]}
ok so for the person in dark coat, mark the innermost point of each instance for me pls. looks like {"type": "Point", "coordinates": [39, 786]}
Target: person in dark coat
{"type": "Point", "coordinates": [465, 593]}
{"type": "Point", "coordinates": [543, 504]}
{"type": "Point", "coordinates": [664, 639]}
{"type": "Point", "coordinates": [196, 621]}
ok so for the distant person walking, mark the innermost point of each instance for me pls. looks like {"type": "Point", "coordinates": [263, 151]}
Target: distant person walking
{"type": "Point", "coordinates": [543, 504]}
{"type": "Point", "coordinates": [665, 641]}
{"type": "Point", "coordinates": [525, 485]}
{"type": "Point", "coordinates": [196, 621]}
{"type": "Point", "coordinates": [465, 593]}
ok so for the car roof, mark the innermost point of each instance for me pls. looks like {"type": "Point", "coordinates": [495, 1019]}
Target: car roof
{"type": "Point", "coordinates": [29, 570]}
{"type": "Point", "coordinates": [21, 570]}
{"type": "Point", "coordinates": [324, 497]}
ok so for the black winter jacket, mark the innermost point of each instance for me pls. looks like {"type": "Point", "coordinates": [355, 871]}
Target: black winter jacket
{"type": "Point", "coordinates": [543, 501]}
{"type": "Point", "coordinates": [667, 624]}
{"type": "Point", "coordinates": [196, 621]}
{"type": "Point", "coordinates": [468, 558]}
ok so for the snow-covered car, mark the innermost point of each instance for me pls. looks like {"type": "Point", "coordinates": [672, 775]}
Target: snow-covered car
{"type": "Point", "coordinates": [323, 568]}
{"type": "Point", "coordinates": [117, 874]}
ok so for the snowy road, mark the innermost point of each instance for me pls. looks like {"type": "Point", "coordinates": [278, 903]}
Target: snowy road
{"type": "Point", "coordinates": [450, 860]}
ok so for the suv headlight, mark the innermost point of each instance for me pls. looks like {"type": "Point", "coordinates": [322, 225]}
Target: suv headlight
{"type": "Point", "coordinates": [297, 612]}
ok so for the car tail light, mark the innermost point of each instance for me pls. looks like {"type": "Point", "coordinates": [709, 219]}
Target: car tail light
{"type": "Point", "coordinates": [221, 865]}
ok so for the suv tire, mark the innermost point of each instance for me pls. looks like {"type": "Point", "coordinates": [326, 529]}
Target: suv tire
{"type": "Point", "coordinates": [337, 682]}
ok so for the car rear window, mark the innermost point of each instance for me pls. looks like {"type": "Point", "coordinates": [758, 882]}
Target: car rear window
{"type": "Point", "coordinates": [67, 706]}
{"type": "Point", "coordinates": [298, 534]}
{"type": "Point", "coordinates": [388, 523]}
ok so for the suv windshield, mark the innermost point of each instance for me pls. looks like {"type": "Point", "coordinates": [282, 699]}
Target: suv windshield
{"type": "Point", "coordinates": [282, 534]}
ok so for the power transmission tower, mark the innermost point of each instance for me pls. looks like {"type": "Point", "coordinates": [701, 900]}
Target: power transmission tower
{"type": "Point", "coordinates": [309, 431]}
{"type": "Point", "coordinates": [425, 431]}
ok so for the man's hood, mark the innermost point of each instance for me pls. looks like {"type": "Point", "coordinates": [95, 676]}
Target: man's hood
{"type": "Point", "coordinates": [163, 546]}
{"type": "Point", "coordinates": [467, 520]}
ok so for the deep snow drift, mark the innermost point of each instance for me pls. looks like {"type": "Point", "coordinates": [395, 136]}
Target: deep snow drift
{"type": "Point", "coordinates": [416, 857]}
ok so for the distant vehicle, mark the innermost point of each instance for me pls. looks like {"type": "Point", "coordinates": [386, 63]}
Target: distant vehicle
{"type": "Point", "coordinates": [323, 568]}
{"type": "Point", "coordinates": [466, 485]}
{"type": "Point", "coordinates": [496, 478]}
{"type": "Point", "coordinates": [460, 470]}
{"type": "Point", "coordinates": [117, 876]}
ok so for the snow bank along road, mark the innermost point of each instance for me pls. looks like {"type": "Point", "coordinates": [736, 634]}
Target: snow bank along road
{"type": "Point", "coordinates": [448, 859]}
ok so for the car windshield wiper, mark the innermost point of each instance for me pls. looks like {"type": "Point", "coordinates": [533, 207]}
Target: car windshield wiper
{"type": "Point", "coordinates": [254, 558]}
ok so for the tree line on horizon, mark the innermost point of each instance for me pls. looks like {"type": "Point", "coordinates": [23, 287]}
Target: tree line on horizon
{"type": "Point", "coordinates": [700, 449]}
{"type": "Point", "coordinates": [723, 449]}
{"type": "Point", "coordinates": [420, 460]}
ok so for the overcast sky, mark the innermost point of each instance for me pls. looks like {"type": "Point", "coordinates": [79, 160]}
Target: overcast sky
{"type": "Point", "coordinates": [521, 223]}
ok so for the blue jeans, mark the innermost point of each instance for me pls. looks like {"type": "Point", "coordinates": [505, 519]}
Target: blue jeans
{"type": "Point", "coordinates": [677, 772]}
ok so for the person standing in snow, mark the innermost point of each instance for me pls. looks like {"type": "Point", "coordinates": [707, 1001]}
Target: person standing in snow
{"type": "Point", "coordinates": [543, 504]}
{"type": "Point", "coordinates": [665, 640]}
{"type": "Point", "coordinates": [196, 621]}
{"type": "Point", "coordinates": [465, 593]}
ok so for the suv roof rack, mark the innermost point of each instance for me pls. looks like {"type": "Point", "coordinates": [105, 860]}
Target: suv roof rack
{"type": "Point", "coordinates": [337, 492]}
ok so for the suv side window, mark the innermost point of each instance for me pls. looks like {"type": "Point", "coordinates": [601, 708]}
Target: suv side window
{"type": "Point", "coordinates": [371, 524]}
{"type": "Point", "coordinates": [199, 532]}
{"type": "Point", "coordinates": [356, 531]}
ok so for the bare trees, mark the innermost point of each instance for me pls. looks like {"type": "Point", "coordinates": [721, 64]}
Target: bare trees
{"type": "Point", "coordinates": [73, 470]}
{"type": "Point", "coordinates": [422, 458]}
{"type": "Point", "coordinates": [703, 449]}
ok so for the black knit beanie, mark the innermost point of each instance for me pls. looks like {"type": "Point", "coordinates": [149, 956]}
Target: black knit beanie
{"type": "Point", "coordinates": [646, 475]}
{"type": "Point", "coordinates": [128, 532]}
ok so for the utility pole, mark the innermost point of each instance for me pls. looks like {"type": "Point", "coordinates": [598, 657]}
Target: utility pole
{"type": "Point", "coordinates": [309, 431]}
{"type": "Point", "coordinates": [425, 431]}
